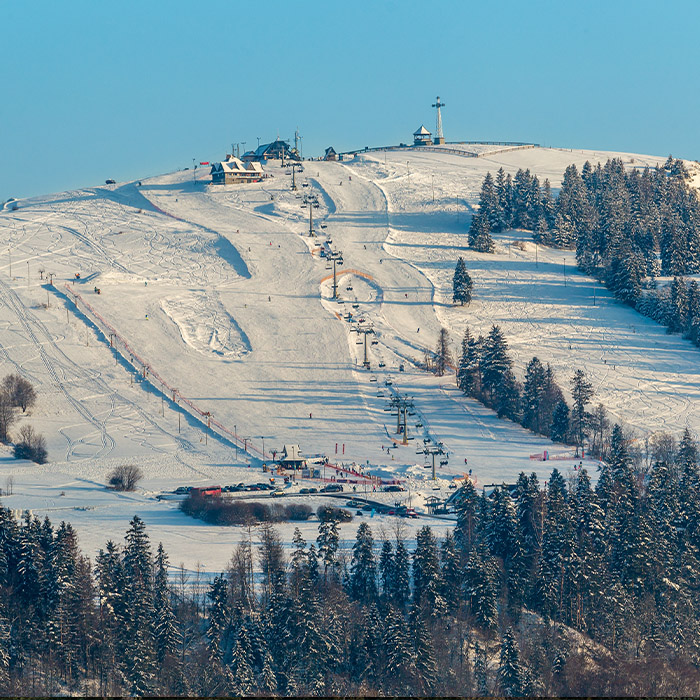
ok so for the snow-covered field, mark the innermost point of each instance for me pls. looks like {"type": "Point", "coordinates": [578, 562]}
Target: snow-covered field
{"type": "Point", "coordinates": [226, 297]}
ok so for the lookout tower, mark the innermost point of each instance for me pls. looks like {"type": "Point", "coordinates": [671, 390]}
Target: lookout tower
{"type": "Point", "coordinates": [439, 138]}
{"type": "Point", "coordinates": [421, 137]}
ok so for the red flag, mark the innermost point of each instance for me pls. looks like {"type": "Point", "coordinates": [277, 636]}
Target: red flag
{"type": "Point", "coordinates": [204, 162]}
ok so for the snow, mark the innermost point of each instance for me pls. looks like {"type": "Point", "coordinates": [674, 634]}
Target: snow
{"type": "Point", "coordinates": [227, 298]}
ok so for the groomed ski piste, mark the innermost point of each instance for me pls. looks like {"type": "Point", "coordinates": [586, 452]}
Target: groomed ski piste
{"type": "Point", "coordinates": [215, 308]}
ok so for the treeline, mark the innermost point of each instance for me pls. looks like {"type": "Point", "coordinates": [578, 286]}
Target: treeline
{"type": "Point", "coordinates": [485, 372]}
{"type": "Point", "coordinates": [497, 607]}
{"type": "Point", "coordinates": [17, 393]}
{"type": "Point", "coordinates": [627, 226]}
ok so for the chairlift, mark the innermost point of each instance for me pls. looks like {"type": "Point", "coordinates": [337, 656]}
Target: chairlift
{"type": "Point", "coordinates": [355, 306]}
{"type": "Point", "coordinates": [349, 289]}
{"type": "Point", "coordinates": [375, 342]}
{"type": "Point", "coordinates": [388, 382]}
{"type": "Point", "coordinates": [329, 267]}
{"type": "Point", "coordinates": [382, 364]}
{"type": "Point", "coordinates": [323, 225]}
{"type": "Point", "coordinates": [358, 342]}
{"type": "Point", "coordinates": [419, 425]}
{"type": "Point", "coordinates": [317, 205]}
{"type": "Point", "coordinates": [329, 241]}
{"type": "Point", "coordinates": [443, 463]}
{"type": "Point", "coordinates": [373, 379]}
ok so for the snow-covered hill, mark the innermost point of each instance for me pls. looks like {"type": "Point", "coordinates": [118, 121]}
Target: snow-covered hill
{"type": "Point", "coordinates": [224, 295]}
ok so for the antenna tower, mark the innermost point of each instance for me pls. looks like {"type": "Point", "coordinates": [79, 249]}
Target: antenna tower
{"type": "Point", "coordinates": [439, 138]}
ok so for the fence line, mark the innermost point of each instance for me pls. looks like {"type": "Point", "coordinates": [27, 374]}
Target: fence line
{"type": "Point", "coordinates": [149, 374]}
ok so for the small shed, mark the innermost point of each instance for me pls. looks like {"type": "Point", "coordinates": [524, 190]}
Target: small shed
{"type": "Point", "coordinates": [291, 457]}
{"type": "Point", "coordinates": [330, 154]}
{"type": "Point", "coordinates": [422, 137]}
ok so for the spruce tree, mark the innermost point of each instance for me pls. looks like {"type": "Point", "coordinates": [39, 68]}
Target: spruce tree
{"type": "Point", "coordinates": [510, 673]}
{"type": "Point", "coordinates": [480, 234]}
{"type": "Point", "coordinates": [581, 393]}
{"type": "Point", "coordinates": [559, 429]}
{"type": "Point", "coordinates": [461, 284]}
{"type": "Point", "coordinates": [363, 576]}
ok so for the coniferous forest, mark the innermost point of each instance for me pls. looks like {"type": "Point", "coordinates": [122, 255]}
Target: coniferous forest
{"type": "Point", "coordinates": [555, 588]}
{"type": "Point", "coordinates": [628, 226]}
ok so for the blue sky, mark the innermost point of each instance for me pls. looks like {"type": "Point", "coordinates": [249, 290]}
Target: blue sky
{"type": "Point", "coordinates": [96, 90]}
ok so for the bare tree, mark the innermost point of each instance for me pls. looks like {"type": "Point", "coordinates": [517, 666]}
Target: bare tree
{"type": "Point", "coordinates": [7, 416]}
{"type": "Point", "coordinates": [31, 445]}
{"type": "Point", "coordinates": [20, 391]}
{"type": "Point", "coordinates": [125, 477]}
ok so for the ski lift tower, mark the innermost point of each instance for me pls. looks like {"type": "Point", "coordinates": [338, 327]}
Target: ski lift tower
{"type": "Point", "coordinates": [439, 138]}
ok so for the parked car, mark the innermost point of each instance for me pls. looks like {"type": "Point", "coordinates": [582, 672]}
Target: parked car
{"type": "Point", "coordinates": [277, 492]}
{"type": "Point", "coordinates": [367, 508]}
{"type": "Point", "coordinates": [392, 488]}
{"type": "Point", "coordinates": [182, 489]}
{"type": "Point", "coordinates": [332, 488]}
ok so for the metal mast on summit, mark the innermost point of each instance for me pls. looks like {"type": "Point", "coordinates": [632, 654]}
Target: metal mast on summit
{"type": "Point", "coordinates": [439, 138]}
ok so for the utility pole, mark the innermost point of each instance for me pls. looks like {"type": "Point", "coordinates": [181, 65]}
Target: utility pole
{"type": "Point", "coordinates": [337, 258]}
{"type": "Point", "coordinates": [206, 432]}
{"type": "Point", "coordinates": [311, 218]}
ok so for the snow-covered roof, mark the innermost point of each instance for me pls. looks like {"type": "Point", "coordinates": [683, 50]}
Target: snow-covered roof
{"type": "Point", "coordinates": [422, 131]}
{"type": "Point", "coordinates": [292, 452]}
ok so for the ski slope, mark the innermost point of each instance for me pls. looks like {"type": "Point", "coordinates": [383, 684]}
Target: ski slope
{"type": "Point", "coordinates": [224, 293]}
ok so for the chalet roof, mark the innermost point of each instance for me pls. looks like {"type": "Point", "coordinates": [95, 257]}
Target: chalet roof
{"type": "Point", "coordinates": [235, 165]}
{"type": "Point", "coordinates": [330, 150]}
{"type": "Point", "coordinates": [422, 131]}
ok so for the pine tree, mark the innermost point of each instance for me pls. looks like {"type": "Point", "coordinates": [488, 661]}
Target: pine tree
{"type": "Point", "coordinates": [363, 577]}
{"type": "Point", "coordinates": [401, 661]}
{"type": "Point", "coordinates": [581, 393]}
{"type": "Point", "coordinates": [400, 585]}
{"type": "Point", "coordinates": [443, 355]}
{"type": "Point", "coordinates": [481, 587]}
{"type": "Point", "coordinates": [451, 572]}
{"type": "Point", "coordinates": [138, 639]}
{"type": "Point", "coordinates": [480, 234]}
{"type": "Point", "coordinates": [327, 541]}
{"type": "Point", "coordinates": [167, 634]}
{"type": "Point", "coordinates": [241, 665]}
{"type": "Point", "coordinates": [465, 506]}
{"type": "Point", "coordinates": [426, 570]}
{"type": "Point", "coordinates": [219, 616]}
{"type": "Point", "coordinates": [510, 673]}
{"type": "Point", "coordinates": [533, 395]}
{"type": "Point", "coordinates": [468, 372]}
{"type": "Point", "coordinates": [495, 366]}
{"type": "Point", "coordinates": [461, 284]}
{"type": "Point", "coordinates": [480, 670]}
{"type": "Point", "coordinates": [559, 429]}
{"type": "Point", "coordinates": [425, 661]}
{"type": "Point", "coordinates": [386, 568]}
